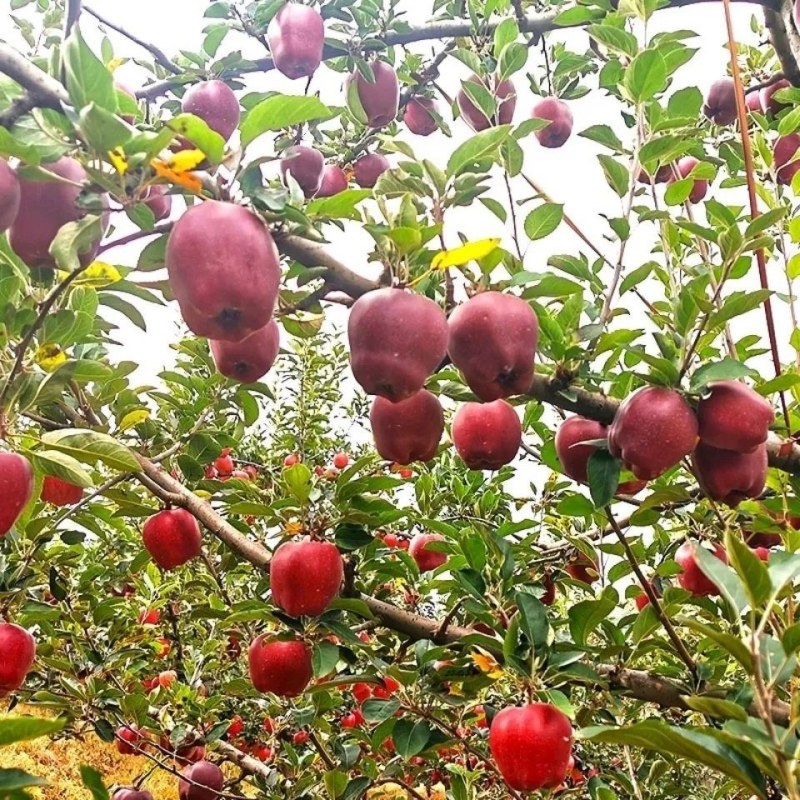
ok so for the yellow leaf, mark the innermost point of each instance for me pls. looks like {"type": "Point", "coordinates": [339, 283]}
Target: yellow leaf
{"type": "Point", "coordinates": [185, 179]}
{"type": "Point", "coordinates": [118, 160]}
{"type": "Point", "coordinates": [133, 418]}
{"type": "Point", "coordinates": [97, 274]}
{"type": "Point", "coordinates": [185, 160]}
{"type": "Point", "coordinates": [50, 357]}
{"type": "Point", "coordinates": [487, 664]}
{"type": "Point", "coordinates": [471, 251]}
{"type": "Point", "coordinates": [387, 791]}
{"type": "Point", "coordinates": [114, 63]}
{"type": "Point", "coordinates": [203, 493]}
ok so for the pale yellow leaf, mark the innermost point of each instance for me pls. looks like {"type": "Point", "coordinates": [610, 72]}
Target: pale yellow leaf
{"type": "Point", "coordinates": [471, 251]}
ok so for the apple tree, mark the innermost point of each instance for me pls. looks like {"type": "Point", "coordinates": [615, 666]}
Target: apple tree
{"type": "Point", "coordinates": [446, 490]}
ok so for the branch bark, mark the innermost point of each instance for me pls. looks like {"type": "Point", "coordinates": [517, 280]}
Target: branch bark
{"type": "Point", "coordinates": [43, 91]}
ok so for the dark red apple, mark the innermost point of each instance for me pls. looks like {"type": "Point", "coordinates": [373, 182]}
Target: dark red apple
{"type": "Point", "coordinates": [19, 651]}
{"type": "Point", "coordinates": [426, 559]}
{"type": "Point", "coordinates": [250, 359]}
{"type": "Point", "coordinates": [531, 746]}
{"type": "Point", "coordinates": [730, 477]}
{"type": "Point", "coordinates": [582, 568]}
{"type": "Point", "coordinates": [663, 174]}
{"type": "Point", "coordinates": [733, 417]}
{"type": "Point", "coordinates": [754, 539]}
{"type": "Point", "coordinates": [784, 154]}
{"type": "Point", "coordinates": [574, 457]}
{"type": "Point", "coordinates": [653, 430]}
{"type": "Point", "coordinates": [560, 116]}
{"type": "Point", "coordinates": [157, 199]}
{"type": "Point", "coordinates": [369, 168]}
{"type": "Point", "coordinates": [10, 195]}
{"type": "Point", "coordinates": [216, 104]}
{"type": "Point", "coordinates": [305, 577]}
{"type": "Point", "coordinates": [190, 753]}
{"type": "Point", "coordinates": [60, 493]}
{"type": "Point", "coordinates": [16, 488]}
{"type": "Point", "coordinates": [397, 340]}
{"type": "Point", "coordinates": [132, 794]}
{"type": "Point", "coordinates": [770, 105]}
{"type": "Point", "coordinates": [691, 577]}
{"type": "Point", "coordinates": [45, 206]}
{"type": "Point", "coordinates": [280, 667]}
{"type": "Point", "coordinates": [305, 165]}
{"type": "Point", "coordinates": [129, 740]}
{"type": "Point", "coordinates": [296, 36]}
{"type": "Point", "coordinates": [699, 186]}
{"type": "Point", "coordinates": [505, 102]}
{"type": "Point", "coordinates": [720, 105]}
{"type": "Point", "coordinates": [172, 537]}
{"type": "Point", "coordinates": [379, 99]}
{"type": "Point", "coordinates": [549, 586]}
{"type": "Point", "coordinates": [753, 102]}
{"type": "Point", "coordinates": [206, 783]}
{"type": "Point", "coordinates": [492, 340]}
{"type": "Point", "coordinates": [486, 435]}
{"type": "Point", "coordinates": [334, 181]}
{"type": "Point", "coordinates": [418, 117]}
{"type": "Point", "coordinates": [224, 270]}
{"type": "Point", "coordinates": [409, 430]}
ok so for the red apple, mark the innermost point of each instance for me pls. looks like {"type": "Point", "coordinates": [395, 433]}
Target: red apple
{"type": "Point", "coordinates": [663, 174]}
{"type": "Point", "coordinates": [10, 195]}
{"type": "Point", "coordinates": [684, 168]}
{"type": "Point", "coordinates": [762, 539]}
{"type": "Point", "coordinates": [505, 102]}
{"type": "Point", "coordinates": [492, 340]}
{"type": "Point", "coordinates": [172, 537]}
{"type": "Point", "coordinates": [341, 460]}
{"type": "Point", "coordinates": [762, 552]}
{"type": "Point", "coordinates": [409, 430]}
{"type": "Point", "coordinates": [19, 651]}
{"type": "Point", "coordinates": [296, 36]}
{"type": "Point", "coordinates": [334, 181]}
{"type": "Point", "coordinates": [60, 493]}
{"type": "Point", "coordinates": [574, 457]}
{"type": "Point", "coordinates": [753, 102]}
{"type": "Point", "coordinates": [158, 201]}
{"type": "Point", "coordinates": [248, 360]}
{"type": "Point", "coordinates": [206, 779]}
{"type": "Point", "coordinates": [531, 746]}
{"type": "Point", "coordinates": [784, 154]}
{"type": "Point", "coordinates": [730, 477]}
{"type": "Point", "coordinates": [291, 460]}
{"type": "Point", "coordinates": [280, 667]}
{"type": "Point", "coordinates": [369, 168]}
{"type": "Point", "coordinates": [132, 794]}
{"type": "Point", "coordinates": [733, 417]}
{"type": "Point", "coordinates": [16, 489]}
{"type": "Point", "coordinates": [582, 568]}
{"type": "Point", "coordinates": [418, 116]}
{"type": "Point", "coordinates": [216, 104]}
{"type": "Point", "coordinates": [149, 616]}
{"type": "Point", "coordinates": [379, 99]}
{"type": "Point", "coordinates": [486, 435]}
{"type": "Point", "coordinates": [549, 586]}
{"type": "Point", "coordinates": [224, 463]}
{"type": "Point", "coordinates": [426, 559]}
{"type": "Point", "coordinates": [642, 599]}
{"type": "Point", "coordinates": [691, 577]}
{"type": "Point", "coordinates": [397, 340]}
{"type": "Point", "coordinates": [560, 116]}
{"type": "Point", "coordinates": [653, 430]}
{"type": "Point", "coordinates": [129, 740]}
{"type": "Point", "coordinates": [190, 753]}
{"type": "Point", "coordinates": [305, 165]}
{"type": "Point", "coordinates": [167, 678]}
{"type": "Point", "coordinates": [720, 105]}
{"type": "Point", "coordinates": [305, 577]}
{"type": "Point", "coordinates": [224, 270]}
{"type": "Point", "coordinates": [770, 105]}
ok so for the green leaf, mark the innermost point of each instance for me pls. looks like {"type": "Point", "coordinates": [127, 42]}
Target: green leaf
{"type": "Point", "coordinates": [694, 745]}
{"type": "Point", "coordinates": [603, 473]}
{"type": "Point", "coordinates": [340, 206]}
{"type": "Point", "coordinates": [410, 737]}
{"type": "Point", "coordinates": [61, 465]}
{"type": "Point", "coordinates": [542, 221]}
{"type": "Point", "coordinates": [298, 480]}
{"type": "Point", "coordinates": [23, 729]}
{"type": "Point", "coordinates": [616, 174]}
{"type": "Point", "coordinates": [725, 370]}
{"type": "Point", "coordinates": [716, 707]}
{"type": "Point", "coordinates": [750, 568]}
{"type": "Point", "coordinates": [585, 616]}
{"type": "Point", "coordinates": [92, 446]}
{"type": "Point", "coordinates": [281, 111]}
{"type": "Point", "coordinates": [102, 129]}
{"type": "Point", "coordinates": [779, 384]}
{"type": "Point", "coordinates": [200, 135]}
{"type": "Point", "coordinates": [483, 144]}
{"type": "Point", "coordinates": [93, 781]}
{"type": "Point", "coordinates": [728, 642]}
{"type": "Point", "coordinates": [379, 710]}
{"type": "Point", "coordinates": [605, 135]}
{"type": "Point", "coordinates": [87, 79]}
{"type": "Point", "coordinates": [74, 239]}
{"type": "Point", "coordinates": [324, 658]}
{"type": "Point", "coordinates": [722, 576]}
{"type": "Point", "coordinates": [646, 76]}
{"type": "Point", "coordinates": [576, 505]}
{"type": "Point", "coordinates": [12, 780]}
{"type": "Point", "coordinates": [535, 624]}
{"type": "Point", "coordinates": [615, 39]}
{"type": "Point", "coordinates": [736, 304]}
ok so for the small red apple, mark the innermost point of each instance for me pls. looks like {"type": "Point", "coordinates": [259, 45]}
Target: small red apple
{"type": "Point", "coordinates": [172, 537]}
{"type": "Point", "coordinates": [379, 99]}
{"type": "Point", "coordinates": [216, 104]}
{"type": "Point", "coordinates": [291, 460]}
{"type": "Point", "coordinates": [305, 165]}
{"type": "Point", "coordinates": [224, 463]}
{"type": "Point", "coordinates": [754, 540]}
{"type": "Point", "coordinates": [305, 577]}
{"type": "Point", "coordinates": [426, 559]}
{"type": "Point", "coordinates": [486, 435]}
{"type": "Point", "coordinates": [684, 168]}
{"type": "Point", "coordinates": [16, 489]}
{"type": "Point", "coordinates": [691, 577]}
{"type": "Point", "coordinates": [280, 667]}
{"type": "Point", "coordinates": [409, 430]}
{"type": "Point", "coordinates": [784, 154]}
{"type": "Point", "coordinates": [129, 740]}
{"type": "Point", "coordinates": [582, 568]}
{"type": "Point", "coordinates": [167, 678]}
{"type": "Point", "coordinates": [249, 359]}
{"type": "Point", "coordinates": [149, 616]}
{"type": "Point", "coordinates": [770, 105]}
{"type": "Point", "coordinates": [368, 168]}
{"type": "Point", "coordinates": [341, 460]}
{"type": "Point", "coordinates": [334, 181]}
{"type": "Point", "coordinates": [505, 95]}
{"type": "Point", "coordinates": [60, 493]}
{"type": "Point", "coordinates": [560, 127]}
{"type": "Point", "coordinates": [418, 116]}
{"type": "Point", "coordinates": [18, 648]}
{"type": "Point", "coordinates": [720, 104]}
{"type": "Point", "coordinates": [132, 794]}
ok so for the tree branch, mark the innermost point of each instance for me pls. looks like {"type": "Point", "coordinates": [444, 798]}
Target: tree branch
{"type": "Point", "coordinates": [43, 91]}
{"type": "Point", "coordinates": [71, 15]}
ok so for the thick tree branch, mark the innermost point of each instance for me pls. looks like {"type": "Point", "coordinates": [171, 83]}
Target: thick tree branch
{"type": "Point", "coordinates": [72, 14]}
{"type": "Point", "coordinates": [42, 90]}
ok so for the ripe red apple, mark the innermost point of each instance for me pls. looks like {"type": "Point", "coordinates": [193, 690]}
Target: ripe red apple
{"type": "Point", "coordinates": [784, 154]}
{"type": "Point", "coordinates": [305, 577]}
{"type": "Point", "coordinates": [369, 168]}
{"type": "Point", "coordinates": [762, 552]}
{"type": "Point", "coordinates": [19, 651]}
{"type": "Point", "coordinates": [426, 559]}
{"type": "Point", "coordinates": [753, 102]}
{"type": "Point", "coordinates": [291, 460]}
{"type": "Point", "coordinates": [653, 430]}
{"type": "Point", "coordinates": [60, 493]}
{"type": "Point", "coordinates": [167, 678]}
{"type": "Point", "coordinates": [16, 489]}
{"type": "Point", "coordinates": [505, 102]}
{"type": "Point", "coordinates": [157, 199]}
{"type": "Point", "coordinates": [492, 340]}
{"type": "Point", "coordinates": [583, 568]}
{"type": "Point", "coordinates": [172, 537]}
{"type": "Point", "coordinates": [730, 477]}
{"type": "Point", "coordinates": [379, 99]}
{"type": "Point", "coordinates": [149, 616]}
{"type": "Point", "coordinates": [224, 270]}
{"type": "Point", "coordinates": [397, 340]}
{"type": "Point", "coordinates": [418, 117]}
{"type": "Point", "coordinates": [223, 464]}
{"type": "Point", "coordinates": [733, 417]}
{"type": "Point", "coordinates": [10, 195]}
{"type": "Point", "coordinates": [206, 779]}
{"type": "Point", "coordinates": [132, 794]}
{"type": "Point", "coordinates": [574, 457]}
{"type": "Point", "coordinates": [691, 577]}
{"type": "Point", "coordinates": [44, 207]}
{"type": "Point", "coordinates": [341, 460]}
{"type": "Point", "coordinates": [334, 181]}
{"type": "Point", "coordinates": [296, 36]}
{"type": "Point", "coordinates": [531, 746]}
{"type": "Point", "coordinates": [409, 430]}
{"type": "Point", "coordinates": [486, 435]}
{"type": "Point", "coordinates": [305, 165]}
{"type": "Point", "coordinates": [216, 104]}
{"type": "Point", "coordinates": [190, 753]}
{"type": "Point", "coordinates": [720, 104]}
{"type": "Point", "coordinates": [560, 116]}
{"type": "Point", "coordinates": [280, 667]}
{"type": "Point", "coordinates": [699, 186]}
{"type": "Point", "coordinates": [549, 586]}
{"type": "Point", "coordinates": [754, 539]}
{"type": "Point", "coordinates": [129, 740]}
{"type": "Point", "coordinates": [663, 174]}
{"type": "Point", "coordinates": [642, 600]}
{"type": "Point", "coordinates": [769, 103]}
{"type": "Point", "coordinates": [250, 359]}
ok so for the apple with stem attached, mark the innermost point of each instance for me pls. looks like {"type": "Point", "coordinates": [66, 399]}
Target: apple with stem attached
{"type": "Point", "coordinates": [486, 435]}
{"type": "Point", "coordinates": [720, 104]}
{"type": "Point", "coordinates": [731, 416]}
{"type": "Point", "coordinates": [172, 537]}
{"type": "Point", "coordinates": [305, 577]}
{"type": "Point", "coordinates": [18, 648]}
{"type": "Point", "coordinates": [281, 667]}
{"type": "Point", "coordinates": [16, 489]}
{"type": "Point", "coordinates": [409, 430]}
